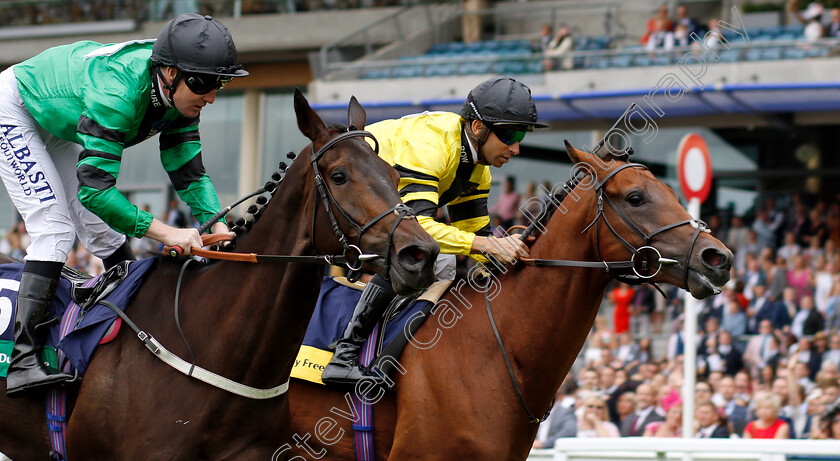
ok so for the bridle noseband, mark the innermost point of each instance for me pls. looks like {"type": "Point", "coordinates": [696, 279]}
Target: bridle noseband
{"type": "Point", "coordinates": [402, 211]}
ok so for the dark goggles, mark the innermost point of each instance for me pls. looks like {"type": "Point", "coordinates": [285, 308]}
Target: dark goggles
{"type": "Point", "coordinates": [205, 83]}
{"type": "Point", "coordinates": [508, 136]}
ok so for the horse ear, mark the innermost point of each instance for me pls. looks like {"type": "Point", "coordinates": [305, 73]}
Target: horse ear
{"type": "Point", "coordinates": [574, 154]}
{"type": "Point", "coordinates": [309, 123]}
{"type": "Point", "coordinates": [356, 115]}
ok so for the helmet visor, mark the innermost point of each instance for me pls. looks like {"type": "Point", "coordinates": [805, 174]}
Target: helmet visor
{"type": "Point", "coordinates": [205, 83]}
{"type": "Point", "coordinates": [508, 135]}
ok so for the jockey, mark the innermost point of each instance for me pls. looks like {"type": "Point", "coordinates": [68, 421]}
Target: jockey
{"type": "Point", "coordinates": [65, 117]}
{"type": "Point", "coordinates": [443, 159]}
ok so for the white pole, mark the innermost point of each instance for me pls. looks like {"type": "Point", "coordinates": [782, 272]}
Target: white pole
{"type": "Point", "coordinates": [690, 347]}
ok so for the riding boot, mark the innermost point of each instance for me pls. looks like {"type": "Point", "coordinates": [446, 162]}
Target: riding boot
{"type": "Point", "coordinates": [123, 253]}
{"type": "Point", "coordinates": [26, 370]}
{"type": "Point", "coordinates": [345, 368]}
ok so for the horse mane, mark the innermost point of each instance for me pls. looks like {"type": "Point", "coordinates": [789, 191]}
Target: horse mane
{"type": "Point", "coordinates": [557, 198]}
{"type": "Point", "coordinates": [242, 225]}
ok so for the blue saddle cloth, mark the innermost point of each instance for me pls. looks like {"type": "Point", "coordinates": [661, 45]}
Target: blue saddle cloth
{"type": "Point", "coordinates": [75, 337]}
{"type": "Point", "coordinates": [334, 309]}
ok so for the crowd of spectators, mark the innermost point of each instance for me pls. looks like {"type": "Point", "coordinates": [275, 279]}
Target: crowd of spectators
{"type": "Point", "coordinates": [768, 346]}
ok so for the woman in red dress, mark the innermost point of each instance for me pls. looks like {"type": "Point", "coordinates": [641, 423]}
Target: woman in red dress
{"type": "Point", "coordinates": [621, 296]}
{"type": "Point", "coordinates": [768, 425]}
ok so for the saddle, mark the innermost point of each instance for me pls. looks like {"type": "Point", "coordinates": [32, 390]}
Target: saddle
{"type": "Point", "coordinates": [336, 302]}
{"type": "Point", "coordinates": [77, 322]}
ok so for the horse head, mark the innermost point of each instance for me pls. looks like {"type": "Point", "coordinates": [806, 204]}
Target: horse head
{"type": "Point", "coordinates": [358, 200]}
{"type": "Point", "coordinates": [639, 218]}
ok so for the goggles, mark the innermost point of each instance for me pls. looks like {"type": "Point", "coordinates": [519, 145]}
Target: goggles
{"type": "Point", "coordinates": [508, 136]}
{"type": "Point", "coordinates": [205, 83]}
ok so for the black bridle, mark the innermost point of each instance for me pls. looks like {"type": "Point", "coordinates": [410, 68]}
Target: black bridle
{"type": "Point", "coordinates": [402, 211]}
{"type": "Point", "coordinates": [644, 258]}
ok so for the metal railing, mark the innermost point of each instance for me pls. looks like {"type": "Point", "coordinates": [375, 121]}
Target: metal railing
{"type": "Point", "coordinates": [427, 65]}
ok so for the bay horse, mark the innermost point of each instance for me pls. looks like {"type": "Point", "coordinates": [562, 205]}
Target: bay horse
{"type": "Point", "coordinates": [456, 395]}
{"type": "Point", "coordinates": [244, 321]}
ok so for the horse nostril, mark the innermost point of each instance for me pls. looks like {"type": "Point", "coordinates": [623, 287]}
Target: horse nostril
{"type": "Point", "coordinates": [413, 255]}
{"type": "Point", "coordinates": [713, 258]}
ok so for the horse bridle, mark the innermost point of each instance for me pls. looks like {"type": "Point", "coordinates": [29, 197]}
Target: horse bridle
{"type": "Point", "coordinates": [646, 254]}
{"type": "Point", "coordinates": [643, 257]}
{"type": "Point", "coordinates": [402, 211]}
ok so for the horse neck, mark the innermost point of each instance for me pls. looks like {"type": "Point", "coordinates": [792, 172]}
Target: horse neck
{"type": "Point", "coordinates": [544, 337]}
{"type": "Point", "coordinates": [274, 301]}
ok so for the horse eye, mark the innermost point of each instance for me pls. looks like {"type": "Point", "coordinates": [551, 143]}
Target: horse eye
{"type": "Point", "coordinates": [635, 199]}
{"type": "Point", "coordinates": [338, 178]}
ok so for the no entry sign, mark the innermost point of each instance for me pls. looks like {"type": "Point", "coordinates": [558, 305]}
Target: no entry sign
{"type": "Point", "coordinates": [694, 167]}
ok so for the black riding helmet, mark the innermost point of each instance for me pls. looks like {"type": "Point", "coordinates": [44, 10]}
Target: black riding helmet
{"type": "Point", "coordinates": [502, 100]}
{"type": "Point", "coordinates": [199, 44]}
{"type": "Point", "coordinates": [202, 51]}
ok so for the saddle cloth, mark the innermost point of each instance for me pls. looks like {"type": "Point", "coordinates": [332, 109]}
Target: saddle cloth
{"type": "Point", "coordinates": [76, 337]}
{"type": "Point", "coordinates": [336, 303]}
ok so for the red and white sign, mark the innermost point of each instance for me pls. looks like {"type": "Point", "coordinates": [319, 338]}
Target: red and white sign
{"type": "Point", "coordinates": [694, 167]}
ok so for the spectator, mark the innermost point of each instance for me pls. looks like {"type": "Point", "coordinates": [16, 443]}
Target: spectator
{"type": "Point", "coordinates": [621, 296]}
{"type": "Point", "coordinates": [589, 380]}
{"type": "Point", "coordinates": [777, 282]}
{"type": "Point", "coordinates": [743, 388]}
{"type": "Point", "coordinates": [729, 354]}
{"type": "Point", "coordinates": [808, 320]}
{"type": "Point", "coordinates": [671, 426]}
{"type": "Point", "coordinates": [754, 275]}
{"type": "Point", "coordinates": [633, 425]}
{"type": "Point", "coordinates": [661, 16]}
{"type": "Point", "coordinates": [829, 425]}
{"type": "Point", "coordinates": [789, 302]}
{"type": "Point", "coordinates": [560, 45]}
{"type": "Point", "coordinates": [702, 392]}
{"type": "Point", "coordinates": [767, 425]}
{"type": "Point", "coordinates": [823, 279]}
{"type": "Point", "coordinates": [832, 29]}
{"type": "Point", "coordinates": [508, 204]}
{"type": "Point", "coordinates": [644, 303]}
{"type": "Point", "coordinates": [625, 405]}
{"type": "Point", "coordinates": [765, 309]}
{"type": "Point", "coordinates": [661, 37]}
{"type": "Point", "coordinates": [545, 37]}
{"type": "Point", "coordinates": [628, 350]}
{"type": "Point", "coordinates": [800, 277]}
{"type": "Point", "coordinates": [757, 347]}
{"type": "Point", "coordinates": [832, 355]}
{"type": "Point", "coordinates": [708, 421]}
{"type": "Point", "coordinates": [595, 420]}
{"type": "Point", "coordinates": [562, 421]}
{"type": "Point", "coordinates": [738, 235]}
{"type": "Point", "coordinates": [692, 25]}
{"type": "Point", "coordinates": [765, 233]}
{"type": "Point", "coordinates": [832, 310]}
{"type": "Point", "coordinates": [751, 247]}
{"type": "Point", "coordinates": [810, 17]}
{"type": "Point", "coordinates": [734, 410]}
{"type": "Point", "coordinates": [734, 319]}
{"type": "Point", "coordinates": [791, 247]}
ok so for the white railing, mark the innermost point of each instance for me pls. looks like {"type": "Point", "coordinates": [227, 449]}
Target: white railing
{"type": "Point", "coordinates": [662, 449]}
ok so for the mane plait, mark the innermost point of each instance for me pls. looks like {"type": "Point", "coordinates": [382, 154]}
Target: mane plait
{"type": "Point", "coordinates": [243, 225]}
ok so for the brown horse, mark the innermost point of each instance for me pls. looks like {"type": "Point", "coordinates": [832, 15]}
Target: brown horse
{"type": "Point", "coordinates": [455, 399]}
{"type": "Point", "coordinates": [244, 321]}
